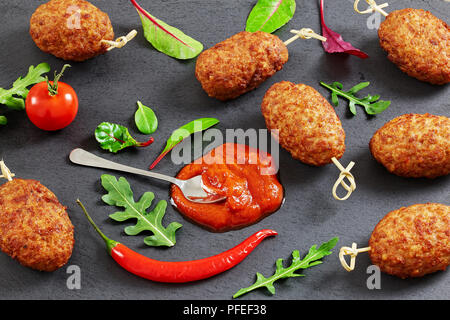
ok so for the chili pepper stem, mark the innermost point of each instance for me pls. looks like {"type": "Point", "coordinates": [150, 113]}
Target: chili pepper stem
{"type": "Point", "coordinates": [109, 243]}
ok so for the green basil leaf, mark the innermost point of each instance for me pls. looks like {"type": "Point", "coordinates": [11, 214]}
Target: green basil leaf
{"type": "Point", "coordinates": [270, 15]}
{"type": "Point", "coordinates": [183, 132]}
{"type": "Point", "coordinates": [167, 39]}
{"type": "Point", "coordinates": [145, 119]}
{"type": "Point", "coordinates": [14, 97]}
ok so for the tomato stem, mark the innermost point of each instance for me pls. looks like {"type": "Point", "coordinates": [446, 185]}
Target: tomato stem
{"type": "Point", "coordinates": [53, 87]}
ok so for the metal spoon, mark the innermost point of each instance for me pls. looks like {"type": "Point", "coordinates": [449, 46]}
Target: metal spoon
{"type": "Point", "coordinates": [193, 189]}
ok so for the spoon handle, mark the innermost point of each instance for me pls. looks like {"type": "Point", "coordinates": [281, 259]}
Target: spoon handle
{"type": "Point", "coordinates": [82, 157]}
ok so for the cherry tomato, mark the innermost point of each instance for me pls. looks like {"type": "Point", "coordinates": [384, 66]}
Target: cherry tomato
{"type": "Point", "coordinates": [51, 112]}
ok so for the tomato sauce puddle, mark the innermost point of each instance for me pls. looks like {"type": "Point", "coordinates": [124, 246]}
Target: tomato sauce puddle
{"type": "Point", "coordinates": [245, 175]}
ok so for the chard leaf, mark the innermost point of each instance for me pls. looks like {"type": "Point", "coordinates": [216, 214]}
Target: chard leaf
{"type": "Point", "coordinates": [145, 119]}
{"type": "Point", "coordinates": [371, 103]}
{"type": "Point", "coordinates": [14, 98]}
{"type": "Point", "coordinates": [167, 39]}
{"type": "Point", "coordinates": [120, 195]}
{"type": "Point", "coordinates": [182, 133]}
{"type": "Point", "coordinates": [310, 260]}
{"type": "Point", "coordinates": [114, 137]}
{"type": "Point", "coordinates": [335, 43]}
{"type": "Point", "coordinates": [270, 15]}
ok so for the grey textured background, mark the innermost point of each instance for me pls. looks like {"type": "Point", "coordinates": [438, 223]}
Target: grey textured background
{"type": "Point", "coordinates": [108, 88]}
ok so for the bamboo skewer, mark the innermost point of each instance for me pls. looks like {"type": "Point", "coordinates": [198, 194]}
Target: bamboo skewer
{"type": "Point", "coordinates": [304, 33]}
{"type": "Point", "coordinates": [6, 173]}
{"type": "Point", "coordinates": [345, 174]}
{"type": "Point", "coordinates": [120, 42]}
{"type": "Point", "coordinates": [373, 7]}
{"type": "Point", "coordinates": [352, 251]}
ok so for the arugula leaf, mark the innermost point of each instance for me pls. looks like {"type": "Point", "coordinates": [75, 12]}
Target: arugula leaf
{"type": "Point", "coordinates": [145, 119]}
{"type": "Point", "coordinates": [269, 15]}
{"type": "Point", "coordinates": [14, 98]}
{"type": "Point", "coordinates": [371, 103]}
{"type": "Point", "coordinates": [114, 137]}
{"type": "Point", "coordinates": [310, 260]}
{"type": "Point", "coordinates": [120, 195]}
{"type": "Point", "coordinates": [183, 132]}
{"type": "Point", "coordinates": [167, 39]}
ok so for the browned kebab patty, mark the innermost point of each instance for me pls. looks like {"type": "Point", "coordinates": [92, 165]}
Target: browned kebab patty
{"type": "Point", "coordinates": [240, 64]}
{"type": "Point", "coordinates": [414, 145]}
{"type": "Point", "coordinates": [412, 241]}
{"type": "Point", "coordinates": [418, 43]}
{"type": "Point", "coordinates": [308, 127]}
{"type": "Point", "coordinates": [54, 28]}
{"type": "Point", "coordinates": [35, 228]}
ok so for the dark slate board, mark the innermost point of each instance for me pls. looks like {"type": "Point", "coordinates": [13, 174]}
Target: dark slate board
{"type": "Point", "coordinates": [108, 87]}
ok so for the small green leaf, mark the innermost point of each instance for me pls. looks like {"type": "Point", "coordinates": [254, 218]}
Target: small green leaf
{"type": "Point", "coordinates": [310, 260]}
{"type": "Point", "coordinates": [3, 120]}
{"type": "Point", "coordinates": [183, 132]}
{"type": "Point", "coordinates": [120, 195]}
{"type": "Point", "coordinates": [370, 103]}
{"type": "Point", "coordinates": [358, 87]}
{"type": "Point", "coordinates": [145, 119]}
{"type": "Point", "coordinates": [14, 98]}
{"type": "Point", "coordinates": [270, 15]}
{"type": "Point", "coordinates": [113, 137]}
{"type": "Point", "coordinates": [167, 39]}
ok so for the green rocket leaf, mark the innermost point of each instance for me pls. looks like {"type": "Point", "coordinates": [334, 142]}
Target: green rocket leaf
{"type": "Point", "coordinates": [371, 103]}
{"type": "Point", "coordinates": [269, 15]}
{"type": "Point", "coordinates": [120, 195]}
{"type": "Point", "coordinates": [310, 260]}
{"type": "Point", "coordinates": [14, 98]}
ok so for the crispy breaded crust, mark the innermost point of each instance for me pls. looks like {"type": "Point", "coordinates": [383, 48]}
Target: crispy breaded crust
{"type": "Point", "coordinates": [34, 227]}
{"type": "Point", "coordinates": [412, 241]}
{"type": "Point", "coordinates": [52, 29]}
{"type": "Point", "coordinates": [240, 64]}
{"type": "Point", "coordinates": [309, 128]}
{"type": "Point", "coordinates": [414, 145]}
{"type": "Point", "coordinates": [418, 43]}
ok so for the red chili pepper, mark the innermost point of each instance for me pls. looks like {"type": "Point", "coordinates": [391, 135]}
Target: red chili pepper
{"type": "Point", "coordinates": [180, 271]}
